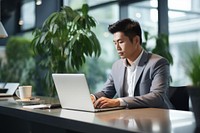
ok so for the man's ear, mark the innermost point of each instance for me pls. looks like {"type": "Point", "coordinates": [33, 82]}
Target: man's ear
{"type": "Point", "coordinates": [136, 39]}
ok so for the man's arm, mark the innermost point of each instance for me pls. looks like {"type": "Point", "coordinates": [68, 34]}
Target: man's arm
{"type": "Point", "coordinates": [158, 84]}
{"type": "Point", "coordinates": [103, 98]}
{"type": "Point", "coordinates": [108, 90]}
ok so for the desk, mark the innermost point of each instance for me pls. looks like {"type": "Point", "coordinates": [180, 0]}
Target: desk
{"type": "Point", "coordinates": [148, 120]}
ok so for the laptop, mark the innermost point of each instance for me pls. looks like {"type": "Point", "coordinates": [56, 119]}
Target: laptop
{"type": "Point", "coordinates": [11, 88]}
{"type": "Point", "coordinates": [73, 93]}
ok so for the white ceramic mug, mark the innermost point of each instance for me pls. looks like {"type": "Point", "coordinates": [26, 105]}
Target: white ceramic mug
{"type": "Point", "coordinates": [24, 92]}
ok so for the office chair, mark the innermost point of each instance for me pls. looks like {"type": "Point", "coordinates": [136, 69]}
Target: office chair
{"type": "Point", "coordinates": [179, 97]}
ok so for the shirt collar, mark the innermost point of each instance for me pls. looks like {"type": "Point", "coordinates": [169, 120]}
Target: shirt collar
{"type": "Point", "coordinates": [135, 63]}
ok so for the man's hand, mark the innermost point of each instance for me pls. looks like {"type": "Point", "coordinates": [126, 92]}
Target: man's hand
{"type": "Point", "coordinates": [104, 102]}
{"type": "Point", "coordinates": [93, 99]}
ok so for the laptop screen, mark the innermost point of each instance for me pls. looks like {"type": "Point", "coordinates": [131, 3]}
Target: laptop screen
{"type": "Point", "coordinates": [73, 91]}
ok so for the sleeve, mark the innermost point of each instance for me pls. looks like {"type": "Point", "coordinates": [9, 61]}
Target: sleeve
{"type": "Point", "coordinates": [108, 89]}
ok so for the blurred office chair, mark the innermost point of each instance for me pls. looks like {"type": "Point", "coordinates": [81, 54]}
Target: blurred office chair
{"type": "Point", "coordinates": [179, 97]}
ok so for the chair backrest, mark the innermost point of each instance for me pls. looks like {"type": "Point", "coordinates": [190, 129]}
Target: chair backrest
{"type": "Point", "coordinates": [179, 97]}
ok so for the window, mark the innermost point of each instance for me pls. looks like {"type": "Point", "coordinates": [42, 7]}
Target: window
{"type": "Point", "coordinates": [97, 69]}
{"type": "Point", "coordinates": [184, 31]}
{"type": "Point", "coordinates": [108, 54]}
{"type": "Point", "coordinates": [76, 4]}
{"type": "Point", "coordinates": [146, 13]}
{"type": "Point", "coordinates": [27, 20]}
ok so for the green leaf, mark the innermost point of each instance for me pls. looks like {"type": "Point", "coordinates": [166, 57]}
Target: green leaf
{"type": "Point", "coordinates": [85, 9]}
{"type": "Point", "coordinates": [97, 46]}
{"type": "Point", "coordinates": [65, 40]}
{"type": "Point", "coordinates": [74, 39]}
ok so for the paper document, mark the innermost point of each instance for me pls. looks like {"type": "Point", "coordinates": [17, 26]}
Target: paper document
{"type": "Point", "coordinates": [42, 106]}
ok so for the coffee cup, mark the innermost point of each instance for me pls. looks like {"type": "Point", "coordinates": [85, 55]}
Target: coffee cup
{"type": "Point", "coordinates": [24, 92]}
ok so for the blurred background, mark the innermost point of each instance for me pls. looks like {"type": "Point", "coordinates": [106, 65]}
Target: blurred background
{"type": "Point", "coordinates": [179, 19]}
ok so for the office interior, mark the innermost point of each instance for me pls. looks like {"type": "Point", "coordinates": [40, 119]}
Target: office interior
{"type": "Point", "coordinates": [179, 21]}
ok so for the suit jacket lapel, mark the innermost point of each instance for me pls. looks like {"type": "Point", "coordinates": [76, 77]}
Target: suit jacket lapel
{"type": "Point", "coordinates": [121, 81]}
{"type": "Point", "coordinates": [141, 66]}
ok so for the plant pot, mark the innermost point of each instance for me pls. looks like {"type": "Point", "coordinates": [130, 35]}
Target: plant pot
{"type": "Point", "coordinates": [194, 93]}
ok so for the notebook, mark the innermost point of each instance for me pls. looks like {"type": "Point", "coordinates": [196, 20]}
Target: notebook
{"type": "Point", "coordinates": [73, 93]}
{"type": "Point", "coordinates": [11, 88]}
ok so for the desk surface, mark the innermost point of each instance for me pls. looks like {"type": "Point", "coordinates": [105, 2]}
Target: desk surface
{"type": "Point", "coordinates": [149, 120]}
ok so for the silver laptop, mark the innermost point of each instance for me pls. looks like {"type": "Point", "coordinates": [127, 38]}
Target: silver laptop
{"type": "Point", "coordinates": [73, 93]}
{"type": "Point", "coordinates": [11, 88]}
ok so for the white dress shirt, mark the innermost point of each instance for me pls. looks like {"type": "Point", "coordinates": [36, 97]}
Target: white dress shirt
{"type": "Point", "coordinates": [130, 76]}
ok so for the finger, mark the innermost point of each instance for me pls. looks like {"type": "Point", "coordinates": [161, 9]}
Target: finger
{"type": "Point", "coordinates": [96, 103]}
{"type": "Point", "coordinates": [104, 105]}
{"type": "Point", "coordinates": [99, 102]}
{"type": "Point", "coordinates": [92, 98]}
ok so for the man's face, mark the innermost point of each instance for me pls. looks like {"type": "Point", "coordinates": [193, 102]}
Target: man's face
{"type": "Point", "coordinates": [124, 46]}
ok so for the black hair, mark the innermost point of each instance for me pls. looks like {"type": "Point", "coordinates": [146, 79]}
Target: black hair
{"type": "Point", "coordinates": [129, 27]}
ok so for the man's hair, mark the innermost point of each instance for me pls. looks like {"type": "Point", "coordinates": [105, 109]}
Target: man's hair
{"type": "Point", "coordinates": [129, 27]}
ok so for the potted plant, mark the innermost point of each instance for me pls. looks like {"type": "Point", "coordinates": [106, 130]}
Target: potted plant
{"type": "Point", "coordinates": [63, 42]}
{"type": "Point", "coordinates": [18, 66]}
{"type": "Point", "coordinates": [193, 71]}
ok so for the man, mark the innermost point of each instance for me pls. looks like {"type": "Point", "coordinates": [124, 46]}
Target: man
{"type": "Point", "coordinates": [139, 79]}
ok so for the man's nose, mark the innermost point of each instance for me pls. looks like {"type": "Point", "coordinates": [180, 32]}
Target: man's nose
{"type": "Point", "coordinates": [117, 46]}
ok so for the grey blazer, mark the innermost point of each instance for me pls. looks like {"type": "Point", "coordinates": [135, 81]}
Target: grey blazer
{"type": "Point", "coordinates": [152, 83]}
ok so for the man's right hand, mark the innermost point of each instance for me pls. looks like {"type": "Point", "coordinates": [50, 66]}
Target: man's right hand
{"type": "Point", "coordinates": [104, 102]}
